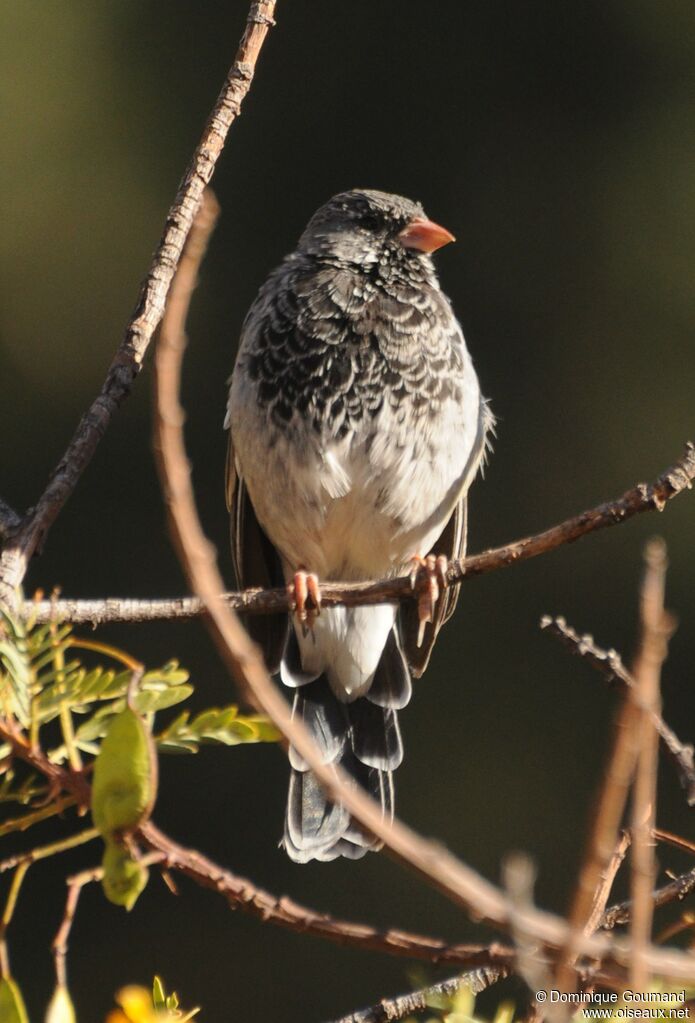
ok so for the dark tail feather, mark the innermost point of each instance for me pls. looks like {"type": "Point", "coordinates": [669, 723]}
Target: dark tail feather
{"type": "Point", "coordinates": [363, 738]}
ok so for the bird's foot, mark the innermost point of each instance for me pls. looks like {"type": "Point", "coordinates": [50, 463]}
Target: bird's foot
{"type": "Point", "coordinates": [305, 596]}
{"type": "Point", "coordinates": [428, 579]}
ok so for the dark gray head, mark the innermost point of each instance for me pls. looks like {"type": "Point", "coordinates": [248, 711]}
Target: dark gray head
{"type": "Point", "coordinates": [364, 226]}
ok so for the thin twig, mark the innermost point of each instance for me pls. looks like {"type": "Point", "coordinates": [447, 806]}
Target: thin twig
{"type": "Point", "coordinates": [674, 891]}
{"type": "Point", "coordinates": [242, 894]}
{"type": "Point", "coordinates": [675, 840]}
{"type": "Point", "coordinates": [27, 820]}
{"type": "Point", "coordinates": [8, 912]}
{"type": "Point", "coordinates": [456, 880]}
{"type": "Point", "coordinates": [43, 852]}
{"type": "Point", "coordinates": [609, 663]}
{"type": "Point", "coordinates": [605, 886]}
{"type": "Point", "coordinates": [391, 1009]}
{"type": "Point", "coordinates": [60, 942]}
{"type": "Point", "coordinates": [641, 498]}
{"type": "Point", "coordinates": [657, 626]}
{"type": "Point", "coordinates": [128, 359]}
{"type": "Point", "coordinates": [610, 806]}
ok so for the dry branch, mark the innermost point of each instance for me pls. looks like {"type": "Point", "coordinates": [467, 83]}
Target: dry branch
{"type": "Point", "coordinates": [391, 1009]}
{"type": "Point", "coordinates": [674, 891]}
{"type": "Point", "coordinates": [128, 359]}
{"type": "Point", "coordinates": [643, 497]}
{"type": "Point", "coordinates": [657, 627]}
{"type": "Point", "coordinates": [242, 894]}
{"type": "Point", "coordinates": [609, 663]}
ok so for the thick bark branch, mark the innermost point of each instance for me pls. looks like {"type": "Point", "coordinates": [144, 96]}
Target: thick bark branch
{"type": "Point", "coordinates": [150, 308]}
{"type": "Point", "coordinates": [641, 498]}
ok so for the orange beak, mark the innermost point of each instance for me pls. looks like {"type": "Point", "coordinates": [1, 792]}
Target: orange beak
{"type": "Point", "coordinates": [424, 235]}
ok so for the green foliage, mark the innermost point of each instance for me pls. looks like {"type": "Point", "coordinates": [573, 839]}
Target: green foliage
{"type": "Point", "coordinates": [226, 725]}
{"type": "Point", "coordinates": [41, 680]}
{"type": "Point", "coordinates": [165, 1003]}
{"type": "Point", "coordinates": [46, 688]}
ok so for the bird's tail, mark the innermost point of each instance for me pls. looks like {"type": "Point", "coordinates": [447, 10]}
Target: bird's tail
{"type": "Point", "coordinates": [362, 737]}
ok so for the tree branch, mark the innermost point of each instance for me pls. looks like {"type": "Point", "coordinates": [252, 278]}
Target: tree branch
{"type": "Point", "coordinates": [674, 891]}
{"type": "Point", "coordinates": [391, 1009]}
{"type": "Point", "coordinates": [641, 498]}
{"type": "Point", "coordinates": [150, 308]}
{"type": "Point", "coordinates": [60, 942]}
{"type": "Point", "coordinates": [242, 894]}
{"type": "Point", "coordinates": [657, 627]}
{"type": "Point", "coordinates": [609, 663]}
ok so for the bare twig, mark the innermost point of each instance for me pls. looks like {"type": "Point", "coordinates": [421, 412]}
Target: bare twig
{"type": "Point", "coordinates": [128, 359]}
{"type": "Point", "coordinates": [611, 801]}
{"type": "Point", "coordinates": [241, 893]}
{"type": "Point", "coordinates": [8, 913]}
{"type": "Point", "coordinates": [456, 880]}
{"type": "Point", "coordinates": [675, 840]}
{"type": "Point", "coordinates": [43, 852]}
{"type": "Point", "coordinates": [674, 891]}
{"type": "Point", "coordinates": [27, 820]}
{"type": "Point", "coordinates": [657, 626]}
{"type": "Point", "coordinates": [605, 886]}
{"type": "Point", "coordinates": [643, 497]}
{"type": "Point", "coordinates": [609, 663]}
{"type": "Point", "coordinates": [60, 942]}
{"type": "Point", "coordinates": [391, 1009]}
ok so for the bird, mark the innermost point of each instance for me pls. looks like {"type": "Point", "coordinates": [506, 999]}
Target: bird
{"type": "Point", "coordinates": [356, 427]}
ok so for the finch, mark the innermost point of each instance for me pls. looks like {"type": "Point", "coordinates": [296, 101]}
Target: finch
{"type": "Point", "coordinates": [356, 429]}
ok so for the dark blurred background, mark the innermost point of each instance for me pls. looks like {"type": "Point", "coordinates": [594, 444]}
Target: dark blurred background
{"type": "Point", "coordinates": [555, 139]}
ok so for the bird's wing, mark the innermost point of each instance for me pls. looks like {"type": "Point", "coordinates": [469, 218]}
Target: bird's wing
{"type": "Point", "coordinates": [452, 543]}
{"type": "Point", "coordinates": [256, 563]}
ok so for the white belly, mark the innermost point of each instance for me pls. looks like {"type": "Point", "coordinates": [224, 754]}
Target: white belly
{"type": "Point", "coordinates": [359, 507]}
{"type": "Point", "coordinates": [356, 508]}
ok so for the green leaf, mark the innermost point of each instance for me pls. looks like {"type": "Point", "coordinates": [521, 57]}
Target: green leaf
{"type": "Point", "coordinates": [148, 702]}
{"type": "Point", "coordinates": [224, 726]}
{"type": "Point", "coordinates": [12, 1008]}
{"type": "Point", "coordinates": [158, 997]}
{"type": "Point", "coordinates": [15, 661]}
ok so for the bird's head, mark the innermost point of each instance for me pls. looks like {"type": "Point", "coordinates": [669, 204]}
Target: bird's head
{"type": "Point", "coordinates": [366, 228]}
